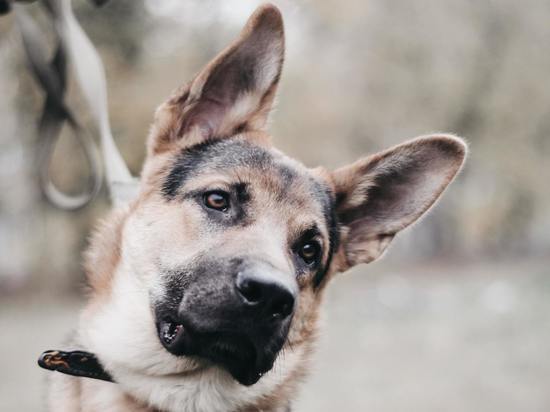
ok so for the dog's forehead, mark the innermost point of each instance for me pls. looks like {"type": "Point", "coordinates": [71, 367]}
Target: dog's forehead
{"type": "Point", "coordinates": [238, 159]}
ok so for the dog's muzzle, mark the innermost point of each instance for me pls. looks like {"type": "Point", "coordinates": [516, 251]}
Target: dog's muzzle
{"type": "Point", "coordinates": [238, 321]}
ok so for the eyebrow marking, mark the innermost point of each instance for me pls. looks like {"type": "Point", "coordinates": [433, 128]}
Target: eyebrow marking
{"type": "Point", "coordinates": [187, 161]}
{"type": "Point", "coordinates": [216, 156]}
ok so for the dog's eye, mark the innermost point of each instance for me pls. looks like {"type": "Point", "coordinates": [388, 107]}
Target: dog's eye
{"type": "Point", "coordinates": [309, 252]}
{"type": "Point", "coordinates": [217, 200]}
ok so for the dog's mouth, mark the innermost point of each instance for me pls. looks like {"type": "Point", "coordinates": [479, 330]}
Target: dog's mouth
{"type": "Point", "coordinates": [233, 351]}
{"type": "Point", "coordinates": [169, 332]}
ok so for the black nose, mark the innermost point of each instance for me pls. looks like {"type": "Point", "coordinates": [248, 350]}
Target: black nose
{"type": "Point", "coordinates": [267, 295]}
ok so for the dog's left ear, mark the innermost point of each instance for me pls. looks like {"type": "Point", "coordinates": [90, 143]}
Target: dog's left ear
{"type": "Point", "coordinates": [233, 93]}
{"type": "Point", "coordinates": [380, 195]}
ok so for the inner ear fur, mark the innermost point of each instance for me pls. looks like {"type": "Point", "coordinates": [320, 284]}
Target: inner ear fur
{"type": "Point", "coordinates": [232, 94]}
{"type": "Point", "coordinates": [380, 195]}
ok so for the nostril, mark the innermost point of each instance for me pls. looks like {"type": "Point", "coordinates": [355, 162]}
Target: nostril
{"type": "Point", "coordinates": [250, 290]}
{"type": "Point", "coordinates": [265, 295]}
{"type": "Point", "coordinates": [283, 306]}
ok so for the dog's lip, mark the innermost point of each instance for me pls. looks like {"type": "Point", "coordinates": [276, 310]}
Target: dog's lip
{"type": "Point", "coordinates": [232, 351]}
{"type": "Point", "coordinates": [236, 354]}
{"type": "Point", "coordinates": [170, 333]}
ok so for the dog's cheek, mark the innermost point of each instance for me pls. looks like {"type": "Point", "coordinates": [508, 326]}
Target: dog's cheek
{"type": "Point", "coordinates": [160, 235]}
{"type": "Point", "coordinates": [305, 319]}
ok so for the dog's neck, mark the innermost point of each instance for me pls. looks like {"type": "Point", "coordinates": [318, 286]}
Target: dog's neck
{"type": "Point", "coordinates": [119, 399]}
{"type": "Point", "coordinates": [211, 391]}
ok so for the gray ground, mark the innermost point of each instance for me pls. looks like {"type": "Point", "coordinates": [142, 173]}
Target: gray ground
{"type": "Point", "coordinates": [469, 338]}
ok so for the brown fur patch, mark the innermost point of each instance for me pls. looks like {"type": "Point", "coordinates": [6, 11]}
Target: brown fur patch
{"type": "Point", "coordinates": [103, 255]}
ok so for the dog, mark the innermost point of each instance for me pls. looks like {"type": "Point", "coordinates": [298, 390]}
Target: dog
{"type": "Point", "coordinates": [205, 290]}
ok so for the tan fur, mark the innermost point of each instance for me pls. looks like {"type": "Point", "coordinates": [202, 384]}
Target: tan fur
{"type": "Point", "coordinates": [130, 247]}
{"type": "Point", "coordinates": [102, 257]}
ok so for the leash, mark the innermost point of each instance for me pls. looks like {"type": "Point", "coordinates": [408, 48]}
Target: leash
{"type": "Point", "coordinates": [74, 46]}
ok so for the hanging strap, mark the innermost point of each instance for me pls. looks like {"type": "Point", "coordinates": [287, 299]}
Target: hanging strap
{"type": "Point", "coordinates": [75, 46]}
{"type": "Point", "coordinates": [90, 74]}
{"type": "Point", "coordinates": [52, 75]}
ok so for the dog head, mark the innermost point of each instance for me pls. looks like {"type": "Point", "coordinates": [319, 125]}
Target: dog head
{"type": "Point", "coordinates": [222, 260]}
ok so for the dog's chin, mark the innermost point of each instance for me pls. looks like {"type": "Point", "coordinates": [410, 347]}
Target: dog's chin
{"type": "Point", "coordinates": [234, 352]}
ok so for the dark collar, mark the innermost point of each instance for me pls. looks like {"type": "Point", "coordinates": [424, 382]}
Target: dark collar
{"type": "Point", "coordinates": [76, 363]}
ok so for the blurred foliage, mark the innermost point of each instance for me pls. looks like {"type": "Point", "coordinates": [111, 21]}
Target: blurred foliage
{"type": "Point", "coordinates": [357, 80]}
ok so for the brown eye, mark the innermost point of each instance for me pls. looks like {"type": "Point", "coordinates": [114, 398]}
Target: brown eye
{"type": "Point", "coordinates": [217, 200]}
{"type": "Point", "coordinates": [309, 252]}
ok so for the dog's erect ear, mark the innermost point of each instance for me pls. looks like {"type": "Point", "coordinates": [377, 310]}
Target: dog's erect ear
{"type": "Point", "coordinates": [380, 195]}
{"type": "Point", "coordinates": [233, 93]}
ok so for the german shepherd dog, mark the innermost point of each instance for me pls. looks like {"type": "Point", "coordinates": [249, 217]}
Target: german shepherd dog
{"type": "Point", "coordinates": [205, 290]}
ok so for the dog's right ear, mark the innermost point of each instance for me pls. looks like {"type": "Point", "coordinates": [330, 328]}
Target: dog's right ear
{"type": "Point", "coordinates": [233, 93]}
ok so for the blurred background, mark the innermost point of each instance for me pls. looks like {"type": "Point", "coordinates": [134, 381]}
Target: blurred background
{"type": "Point", "coordinates": [456, 317]}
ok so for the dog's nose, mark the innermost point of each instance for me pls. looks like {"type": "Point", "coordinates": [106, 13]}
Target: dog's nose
{"type": "Point", "coordinates": [266, 294]}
